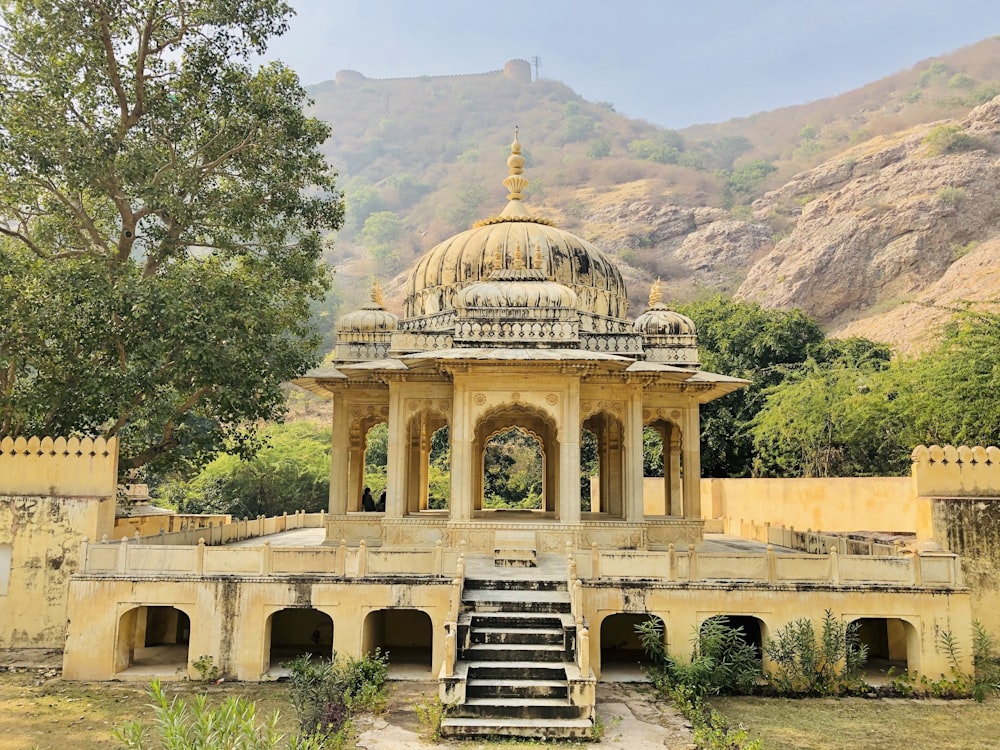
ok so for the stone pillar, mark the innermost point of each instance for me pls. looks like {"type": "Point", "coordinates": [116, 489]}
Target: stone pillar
{"type": "Point", "coordinates": [672, 472]}
{"type": "Point", "coordinates": [569, 455]}
{"type": "Point", "coordinates": [395, 485]}
{"type": "Point", "coordinates": [423, 458]}
{"type": "Point", "coordinates": [412, 490]}
{"type": "Point", "coordinates": [356, 471]}
{"type": "Point", "coordinates": [632, 441]}
{"type": "Point", "coordinates": [340, 449]}
{"type": "Point", "coordinates": [461, 434]}
{"type": "Point", "coordinates": [691, 454]}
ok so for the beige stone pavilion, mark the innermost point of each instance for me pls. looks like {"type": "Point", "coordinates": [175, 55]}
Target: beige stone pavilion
{"type": "Point", "coordinates": [518, 324]}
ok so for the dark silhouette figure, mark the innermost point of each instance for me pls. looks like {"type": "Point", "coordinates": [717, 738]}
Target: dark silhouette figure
{"type": "Point", "coordinates": [367, 501]}
{"type": "Point", "coordinates": [380, 505]}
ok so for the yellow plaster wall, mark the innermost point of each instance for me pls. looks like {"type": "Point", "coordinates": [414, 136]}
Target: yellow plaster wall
{"type": "Point", "coordinates": [53, 493]}
{"type": "Point", "coordinates": [59, 467]}
{"type": "Point", "coordinates": [829, 504]}
{"type": "Point", "coordinates": [956, 472]}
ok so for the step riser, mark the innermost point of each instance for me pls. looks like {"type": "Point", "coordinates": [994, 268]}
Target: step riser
{"type": "Point", "coordinates": [517, 673]}
{"type": "Point", "coordinates": [477, 653]}
{"type": "Point", "coordinates": [533, 607]}
{"type": "Point", "coordinates": [548, 733]}
{"type": "Point", "coordinates": [528, 691]}
{"type": "Point", "coordinates": [498, 620]}
{"type": "Point", "coordinates": [500, 584]}
{"type": "Point", "coordinates": [521, 638]}
{"type": "Point", "coordinates": [500, 711]}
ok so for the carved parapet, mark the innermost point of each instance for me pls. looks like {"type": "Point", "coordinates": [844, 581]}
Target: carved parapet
{"type": "Point", "coordinates": [949, 471]}
{"type": "Point", "coordinates": [60, 467]}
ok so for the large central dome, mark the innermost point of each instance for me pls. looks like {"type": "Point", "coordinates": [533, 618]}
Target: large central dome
{"type": "Point", "coordinates": [472, 256]}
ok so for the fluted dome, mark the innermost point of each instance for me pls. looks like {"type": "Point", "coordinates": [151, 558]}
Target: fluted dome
{"type": "Point", "coordinates": [369, 318]}
{"type": "Point", "coordinates": [471, 256]}
{"type": "Point", "coordinates": [367, 332]}
{"type": "Point", "coordinates": [662, 321]}
{"type": "Point", "coordinates": [537, 295]}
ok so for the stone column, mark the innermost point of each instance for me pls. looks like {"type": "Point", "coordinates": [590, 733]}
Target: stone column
{"type": "Point", "coordinates": [632, 440]}
{"type": "Point", "coordinates": [569, 455]}
{"type": "Point", "coordinates": [461, 454]}
{"type": "Point", "coordinates": [691, 454]}
{"type": "Point", "coordinates": [395, 485]}
{"type": "Point", "coordinates": [673, 472]}
{"type": "Point", "coordinates": [340, 448]}
{"type": "Point", "coordinates": [424, 459]}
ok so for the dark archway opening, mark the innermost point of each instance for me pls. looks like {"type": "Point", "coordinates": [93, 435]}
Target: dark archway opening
{"type": "Point", "coordinates": [622, 655]}
{"type": "Point", "coordinates": [407, 635]}
{"type": "Point", "coordinates": [297, 631]}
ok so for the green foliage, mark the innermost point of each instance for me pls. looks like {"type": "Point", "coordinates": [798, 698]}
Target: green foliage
{"type": "Point", "coordinates": [326, 692]}
{"type": "Point", "coordinates": [578, 128]}
{"type": "Point", "coordinates": [178, 726]}
{"type": "Point", "coordinates": [468, 198]}
{"type": "Point", "coordinates": [950, 196]}
{"type": "Point", "coordinates": [599, 148]}
{"type": "Point", "coordinates": [291, 472]}
{"type": "Point", "coordinates": [728, 149]}
{"type": "Point", "coordinates": [206, 668]}
{"type": "Point", "coordinates": [155, 184]}
{"type": "Point", "coordinates": [809, 664]}
{"type": "Point", "coordinates": [430, 714]}
{"type": "Point", "coordinates": [381, 234]}
{"type": "Point", "coordinates": [512, 476]}
{"type": "Point", "coordinates": [714, 732]}
{"type": "Point", "coordinates": [741, 184]}
{"type": "Point", "coordinates": [744, 340]}
{"type": "Point", "coordinates": [948, 139]}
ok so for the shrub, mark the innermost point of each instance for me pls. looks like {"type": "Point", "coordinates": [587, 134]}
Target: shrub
{"type": "Point", "coordinates": [326, 692]}
{"type": "Point", "coordinates": [948, 139]}
{"type": "Point", "coordinates": [178, 726]}
{"type": "Point", "coordinates": [805, 664]}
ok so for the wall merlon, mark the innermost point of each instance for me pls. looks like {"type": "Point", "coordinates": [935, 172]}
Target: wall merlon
{"type": "Point", "coordinates": [59, 467]}
{"type": "Point", "coordinates": [950, 471]}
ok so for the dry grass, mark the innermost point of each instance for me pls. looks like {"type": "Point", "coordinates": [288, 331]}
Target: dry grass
{"type": "Point", "coordinates": [859, 724]}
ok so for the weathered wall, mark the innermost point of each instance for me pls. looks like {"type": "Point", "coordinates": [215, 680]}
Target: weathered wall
{"type": "Point", "coordinates": [971, 528]}
{"type": "Point", "coordinates": [53, 493]}
{"type": "Point", "coordinates": [829, 504]}
{"type": "Point", "coordinates": [956, 472]}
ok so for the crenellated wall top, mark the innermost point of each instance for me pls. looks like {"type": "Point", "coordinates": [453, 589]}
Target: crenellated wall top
{"type": "Point", "coordinates": [59, 467]}
{"type": "Point", "coordinates": [956, 471]}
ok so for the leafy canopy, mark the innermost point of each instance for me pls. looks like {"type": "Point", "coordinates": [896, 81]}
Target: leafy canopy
{"type": "Point", "coordinates": [162, 204]}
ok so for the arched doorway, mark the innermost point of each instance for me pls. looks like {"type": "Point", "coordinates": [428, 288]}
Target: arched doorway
{"type": "Point", "coordinates": [525, 438]}
{"type": "Point", "coordinates": [607, 494]}
{"type": "Point", "coordinates": [296, 631]}
{"type": "Point", "coordinates": [750, 630]}
{"type": "Point", "coordinates": [622, 654]}
{"type": "Point", "coordinates": [428, 463]}
{"type": "Point", "coordinates": [153, 640]}
{"type": "Point", "coordinates": [407, 635]}
{"type": "Point", "coordinates": [661, 457]}
{"type": "Point", "coordinates": [888, 640]}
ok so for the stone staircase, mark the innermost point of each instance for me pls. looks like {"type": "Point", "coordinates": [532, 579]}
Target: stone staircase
{"type": "Point", "coordinates": [517, 658]}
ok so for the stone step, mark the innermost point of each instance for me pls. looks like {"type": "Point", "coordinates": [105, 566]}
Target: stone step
{"type": "Point", "coordinates": [537, 636]}
{"type": "Point", "coordinates": [542, 728]}
{"type": "Point", "coordinates": [515, 584]}
{"type": "Point", "coordinates": [516, 620]}
{"type": "Point", "coordinates": [514, 652]}
{"type": "Point", "coordinates": [514, 557]}
{"type": "Point", "coordinates": [516, 601]}
{"type": "Point", "coordinates": [521, 708]}
{"type": "Point", "coordinates": [517, 670]}
{"type": "Point", "coordinates": [479, 688]}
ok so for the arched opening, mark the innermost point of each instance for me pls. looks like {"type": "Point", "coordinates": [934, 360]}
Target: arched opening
{"type": "Point", "coordinates": [428, 463]}
{"type": "Point", "coordinates": [608, 489]}
{"type": "Point", "coordinates": [588, 470]}
{"type": "Point", "coordinates": [517, 466]}
{"type": "Point", "coordinates": [513, 477]}
{"type": "Point", "coordinates": [622, 655]}
{"type": "Point", "coordinates": [887, 639]}
{"type": "Point", "coordinates": [292, 632]}
{"type": "Point", "coordinates": [153, 640]}
{"type": "Point", "coordinates": [661, 459]}
{"type": "Point", "coordinates": [750, 630]}
{"type": "Point", "coordinates": [376, 463]}
{"type": "Point", "coordinates": [407, 635]}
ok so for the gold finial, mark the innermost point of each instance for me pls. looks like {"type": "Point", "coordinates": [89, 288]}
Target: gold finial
{"type": "Point", "coordinates": [518, 258]}
{"type": "Point", "coordinates": [376, 292]}
{"type": "Point", "coordinates": [515, 183]}
{"type": "Point", "coordinates": [497, 259]}
{"type": "Point", "coordinates": [655, 295]}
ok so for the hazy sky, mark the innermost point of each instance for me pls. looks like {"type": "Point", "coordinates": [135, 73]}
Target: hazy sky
{"type": "Point", "coordinates": [672, 62]}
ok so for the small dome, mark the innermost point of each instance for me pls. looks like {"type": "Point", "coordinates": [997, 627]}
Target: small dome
{"type": "Point", "coordinates": [659, 320]}
{"type": "Point", "coordinates": [369, 319]}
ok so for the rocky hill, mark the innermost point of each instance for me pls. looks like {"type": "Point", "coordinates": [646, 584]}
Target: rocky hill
{"type": "Point", "coordinates": [863, 209]}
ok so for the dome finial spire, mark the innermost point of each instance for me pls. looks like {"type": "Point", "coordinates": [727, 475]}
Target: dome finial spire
{"type": "Point", "coordinates": [518, 258]}
{"type": "Point", "coordinates": [376, 292]}
{"type": "Point", "coordinates": [655, 295]}
{"type": "Point", "coordinates": [515, 183]}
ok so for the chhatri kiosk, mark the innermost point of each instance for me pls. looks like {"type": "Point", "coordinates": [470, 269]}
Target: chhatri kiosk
{"type": "Point", "coordinates": [517, 324]}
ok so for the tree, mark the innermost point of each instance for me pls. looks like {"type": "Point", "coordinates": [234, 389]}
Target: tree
{"type": "Point", "coordinates": [744, 340]}
{"type": "Point", "coordinates": [162, 204]}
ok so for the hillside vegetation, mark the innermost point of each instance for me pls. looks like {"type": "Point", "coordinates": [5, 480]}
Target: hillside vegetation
{"type": "Point", "coordinates": [897, 171]}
